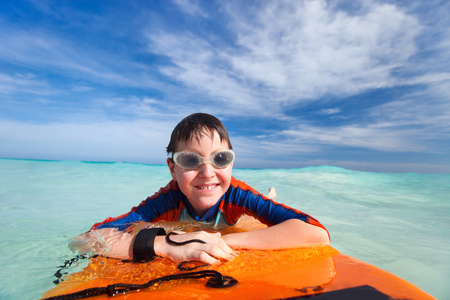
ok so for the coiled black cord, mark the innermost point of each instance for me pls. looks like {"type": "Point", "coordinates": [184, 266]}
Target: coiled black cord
{"type": "Point", "coordinates": [216, 279]}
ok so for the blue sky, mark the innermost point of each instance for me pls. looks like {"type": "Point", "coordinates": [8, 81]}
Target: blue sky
{"type": "Point", "coordinates": [363, 85]}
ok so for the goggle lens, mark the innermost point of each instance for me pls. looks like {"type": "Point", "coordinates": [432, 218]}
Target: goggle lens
{"type": "Point", "coordinates": [190, 160]}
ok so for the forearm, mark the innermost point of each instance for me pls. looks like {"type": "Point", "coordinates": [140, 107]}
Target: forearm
{"type": "Point", "coordinates": [119, 244]}
{"type": "Point", "coordinates": [288, 234]}
{"type": "Point", "coordinates": [109, 242]}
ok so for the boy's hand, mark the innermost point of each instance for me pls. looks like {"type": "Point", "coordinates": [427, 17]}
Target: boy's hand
{"type": "Point", "coordinates": [211, 252]}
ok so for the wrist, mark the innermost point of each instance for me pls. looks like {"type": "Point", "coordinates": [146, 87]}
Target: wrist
{"type": "Point", "coordinates": [143, 245]}
{"type": "Point", "coordinates": [235, 240]}
{"type": "Point", "coordinates": [160, 246]}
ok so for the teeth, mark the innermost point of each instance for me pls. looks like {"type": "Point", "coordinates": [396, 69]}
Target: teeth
{"type": "Point", "coordinates": [209, 187]}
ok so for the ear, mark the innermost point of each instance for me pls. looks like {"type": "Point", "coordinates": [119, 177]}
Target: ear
{"type": "Point", "coordinates": [171, 165]}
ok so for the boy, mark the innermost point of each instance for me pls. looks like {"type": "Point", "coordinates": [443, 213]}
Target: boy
{"type": "Point", "coordinates": [203, 190]}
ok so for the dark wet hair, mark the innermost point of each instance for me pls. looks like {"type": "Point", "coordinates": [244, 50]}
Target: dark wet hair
{"type": "Point", "coordinates": [193, 126]}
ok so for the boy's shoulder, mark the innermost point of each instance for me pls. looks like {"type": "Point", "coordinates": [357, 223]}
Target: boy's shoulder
{"type": "Point", "coordinates": [171, 187]}
{"type": "Point", "coordinates": [237, 184]}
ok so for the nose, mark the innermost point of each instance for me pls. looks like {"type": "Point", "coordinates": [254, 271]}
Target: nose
{"type": "Point", "coordinates": [206, 170]}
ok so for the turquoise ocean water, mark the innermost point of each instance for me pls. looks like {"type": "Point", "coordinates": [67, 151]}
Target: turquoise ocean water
{"type": "Point", "coordinates": [398, 222]}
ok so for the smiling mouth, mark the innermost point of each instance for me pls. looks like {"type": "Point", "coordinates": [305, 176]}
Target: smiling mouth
{"type": "Point", "coordinates": [207, 187]}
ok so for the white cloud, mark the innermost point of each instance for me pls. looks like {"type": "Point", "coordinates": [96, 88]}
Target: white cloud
{"type": "Point", "coordinates": [298, 51]}
{"type": "Point", "coordinates": [190, 7]}
{"type": "Point", "coordinates": [41, 50]}
{"type": "Point", "coordinates": [271, 146]}
{"type": "Point", "coordinates": [287, 52]}
{"type": "Point", "coordinates": [307, 49]}
{"type": "Point", "coordinates": [330, 111]}
{"type": "Point", "coordinates": [133, 141]}
{"type": "Point", "coordinates": [196, 66]}
{"type": "Point", "coordinates": [417, 122]}
{"type": "Point", "coordinates": [291, 51]}
{"type": "Point", "coordinates": [20, 83]}
{"type": "Point", "coordinates": [369, 137]}
{"type": "Point", "coordinates": [282, 54]}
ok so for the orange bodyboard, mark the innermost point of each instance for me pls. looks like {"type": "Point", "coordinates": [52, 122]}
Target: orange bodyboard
{"type": "Point", "coordinates": [278, 274]}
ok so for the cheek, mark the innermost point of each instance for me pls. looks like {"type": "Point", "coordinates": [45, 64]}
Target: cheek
{"type": "Point", "coordinates": [183, 177]}
{"type": "Point", "coordinates": [226, 176]}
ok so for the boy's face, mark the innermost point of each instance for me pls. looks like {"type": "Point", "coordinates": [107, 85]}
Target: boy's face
{"type": "Point", "coordinates": [204, 185]}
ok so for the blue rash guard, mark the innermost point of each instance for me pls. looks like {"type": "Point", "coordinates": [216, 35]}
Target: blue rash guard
{"type": "Point", "coordinates": [170, 204]}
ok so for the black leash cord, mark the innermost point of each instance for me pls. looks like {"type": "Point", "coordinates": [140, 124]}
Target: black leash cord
{"type": "Point", "coordinates": [181, 266]}
{"type": "Point", "coordinates": [67, 264]}
{"type": "Point", "coordinates": [217, 280]}
{"type": "Point", "coordinates": [169, 241]}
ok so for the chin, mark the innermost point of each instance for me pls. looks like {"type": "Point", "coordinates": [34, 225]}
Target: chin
{"type": "Point", "coordinates": [206, 203]}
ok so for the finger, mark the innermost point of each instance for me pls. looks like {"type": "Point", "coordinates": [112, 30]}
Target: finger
{"type": "Point", "coordinates": [220, 254]}
{"type": "Point", "coordinates": [205, 257]}
{"type": "Point", "coordinates": [220, 243]}
{"type": "Point", "coordinates": [216, 252]}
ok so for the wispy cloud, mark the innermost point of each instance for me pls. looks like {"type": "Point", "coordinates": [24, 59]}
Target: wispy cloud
{"type": "Point", "coordinates": [313, 50]}
{"type": "Point", "coordinates": [293, 51]}
{"type": "Point", "coordinates": [104, 141]}
{"type": "Point", "coordinates": [304, 80]}
{"type": "Point", "coordinates": [20, 83]}
{"type": "Point", "coordinates": [369, 137]}
{"type": "Point", "coordinates": [41, 50]}
{"type": "Point", "coordinates": [330, 111]}
{"type": "Point", "coordinates": [417, 122]}
{"type": "Point", "coordinates": [191, 7]}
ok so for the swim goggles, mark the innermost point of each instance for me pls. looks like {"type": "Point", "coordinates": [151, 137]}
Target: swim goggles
{"type": "Point", "coordinates": [190, 160]}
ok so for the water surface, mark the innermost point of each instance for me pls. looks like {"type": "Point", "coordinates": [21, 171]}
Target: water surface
{"type": "Point", "coordinates": [398, 222]}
